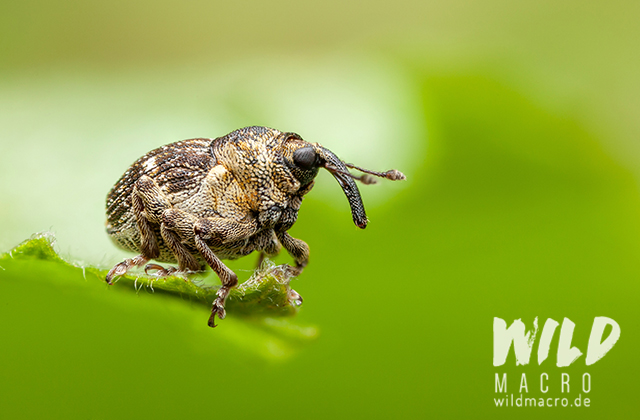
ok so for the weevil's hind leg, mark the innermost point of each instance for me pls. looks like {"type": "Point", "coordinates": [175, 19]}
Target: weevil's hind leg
{"type": "Point", "coordinates": [121, 268]}
{"type": "Point", "coordinates": [148, 241]}
{"type": "Point", "coordinates": [173, 221]}
{"type": "Point", "coordinates": [148, 203]}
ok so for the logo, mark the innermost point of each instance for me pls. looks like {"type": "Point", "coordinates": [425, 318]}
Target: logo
{"type": "Point", "coordinates": [522, 341]}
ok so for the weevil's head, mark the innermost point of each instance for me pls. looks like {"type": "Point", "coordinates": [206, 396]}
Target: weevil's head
{"type": "Point", "coordinates": [271, 166]}
{"type": "Point", "coordinates": [305, 159]}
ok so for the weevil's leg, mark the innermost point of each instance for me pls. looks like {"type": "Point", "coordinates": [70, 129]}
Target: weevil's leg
{"type": "Point", "coordinates": [219, 231]}
{"type": "Point", "coordinates": [148, 204]}
{"type": "Point", "coordinates": [157, 210]}
{"type": "Point", "coordinates": [270, 247]}
{"type": "Point", "coordinates": [121, 268]}
{"type": "Point", "coordinates": [153, 199]}
{"type": "Point", "coordinates": [148, 242]}
{"type": "Point", "coordinates": [260, 260]}
{"type": "Point", "coordinates": [147, 201]}
{"type": "Point", "coordinates": [160, 270]}
{"type": "Point", "coordinates": [298, 249]}
{"type": "Point", "coordinates": [177, 224]}
{"type": "Point", "coordinates": [228, 278]}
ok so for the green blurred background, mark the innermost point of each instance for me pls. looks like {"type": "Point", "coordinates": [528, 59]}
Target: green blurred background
{"type": "Point", "coordinates": [515, 123]}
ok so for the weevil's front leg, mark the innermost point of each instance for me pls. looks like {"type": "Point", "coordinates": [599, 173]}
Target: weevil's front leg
{"type": "Point", "coordinates": [218, 231]}
{"type": "Point", "coordinates": [298, 250]}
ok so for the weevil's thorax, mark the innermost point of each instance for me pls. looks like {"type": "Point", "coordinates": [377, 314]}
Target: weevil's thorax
{"type": "Point", "coordinates": [256, 159]}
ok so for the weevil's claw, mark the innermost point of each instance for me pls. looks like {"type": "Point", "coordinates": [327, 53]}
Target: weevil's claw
{"type": "Point", "coordinates": [212, 320]}
{"type": "Point", "coordinates": [161, 271]}
{"type": "Point", "coordinates": [151, 267]}
{"type": "Point", "coordinates": [216, 309]}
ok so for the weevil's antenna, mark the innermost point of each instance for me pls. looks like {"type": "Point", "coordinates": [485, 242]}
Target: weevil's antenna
{"type": "Point", "coordinates": [392, 174]}
{"type": "Point", "coordinates": [365, 179]}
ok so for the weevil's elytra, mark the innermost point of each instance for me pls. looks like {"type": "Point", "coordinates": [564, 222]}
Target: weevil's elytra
{"type": "Point", "coordinates": [199, 201]}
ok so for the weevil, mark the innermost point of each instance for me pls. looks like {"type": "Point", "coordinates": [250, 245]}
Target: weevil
{"type": "Point", "coordinates": [199, 201]}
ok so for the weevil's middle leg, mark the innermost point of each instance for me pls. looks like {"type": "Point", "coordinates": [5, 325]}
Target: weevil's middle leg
{"type": "Point", "coordinates": [220, 231]}
{"type": "Point", "coordinates": [160, 270]}
{"type": "Point", "coordinates": [260, 259]}
{"type": "Point", "coordinates": [228, 278]}
{"type": "Point", "coordinates": [270, 247]}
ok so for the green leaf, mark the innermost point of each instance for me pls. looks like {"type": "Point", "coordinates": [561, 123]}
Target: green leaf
{"type": "Point", "coordinates": [259, 311]}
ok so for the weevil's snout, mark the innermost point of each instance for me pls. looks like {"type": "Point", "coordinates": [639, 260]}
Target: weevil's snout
{"type": "Point", "coordinates": [333, 164]}
{"type": "Point", "coordinates": [340, 171]}
{"type": "Point", "coordinates": [305, 161]}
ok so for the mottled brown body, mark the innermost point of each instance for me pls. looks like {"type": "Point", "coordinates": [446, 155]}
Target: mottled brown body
{"type": "Point", "coordinates": [198, 201]}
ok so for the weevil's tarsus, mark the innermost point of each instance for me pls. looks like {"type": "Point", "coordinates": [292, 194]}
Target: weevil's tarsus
{"type": "Point", "coordinates": [228, 278]}
{"type": "Point", "coordinates": [216, 309]}
{"type": "Point", "coordinates": [121, 268]}
{"type": "Point", "coordinates": [160, 271]}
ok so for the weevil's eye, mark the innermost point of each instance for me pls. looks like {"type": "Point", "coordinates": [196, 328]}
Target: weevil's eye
{"type": "Point", "coordinates": [305, 158]}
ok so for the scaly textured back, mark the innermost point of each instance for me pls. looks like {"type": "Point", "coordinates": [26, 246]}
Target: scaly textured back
{"type": "Point", "coordinates": [178, 168]}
